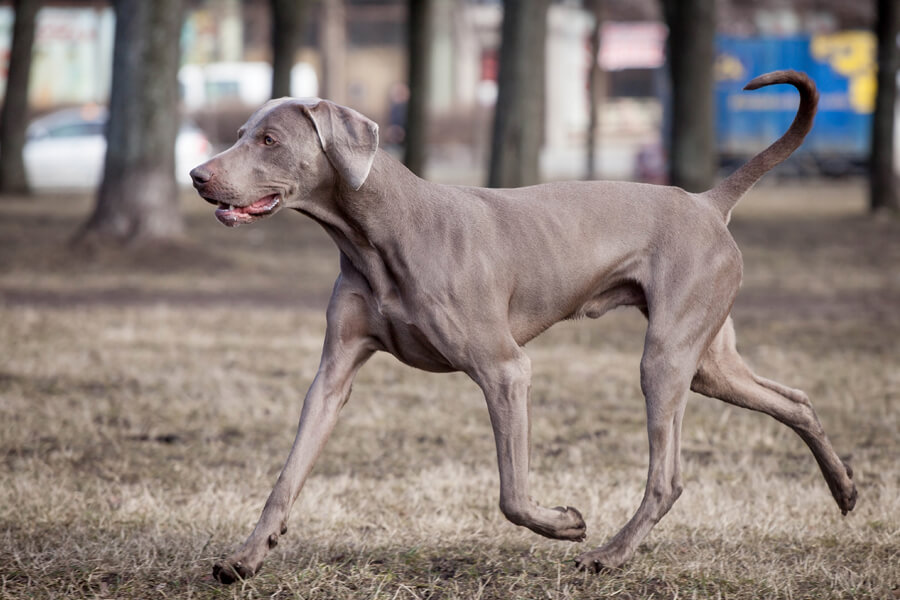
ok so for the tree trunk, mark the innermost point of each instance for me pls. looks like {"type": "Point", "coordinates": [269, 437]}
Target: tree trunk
{"type": "Point", "coordinates": [333, 41]}
{"type": "Point", "coordinates": [14, 116]}
{"type": "Point", "coordinates": [138, 197]}
{"type": "Point", "coordinates": [595, 92]}
{"type": "Point", "coordinates": [288, 20]}
{"type": "Point", "coordinates": [419, 32]}
{"type": "Point", "coordinates": [883, 192]}
{"type": "Point", "coordinates": [691, 52]}
{"type": "Point", "coordinates": [519, 114]}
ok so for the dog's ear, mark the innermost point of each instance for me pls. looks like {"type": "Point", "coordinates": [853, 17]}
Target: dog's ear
{"type": "Point", "coordinates": [349, 139]}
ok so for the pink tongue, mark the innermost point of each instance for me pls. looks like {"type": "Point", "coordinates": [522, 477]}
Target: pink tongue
{"type": "Point", "coordinates": [261, 205]}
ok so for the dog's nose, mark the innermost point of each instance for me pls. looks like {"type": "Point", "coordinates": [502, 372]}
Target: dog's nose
{"type": "Point", "coordinates": [201, 175]}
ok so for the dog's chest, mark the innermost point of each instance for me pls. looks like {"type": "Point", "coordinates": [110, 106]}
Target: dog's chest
{"type": "Point", "coordinates": [415, 339]}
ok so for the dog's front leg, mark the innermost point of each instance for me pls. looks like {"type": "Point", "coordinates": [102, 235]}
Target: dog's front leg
{"type": "Point", "coordinates": [506, 386]}
{"type": "Point", "coordinates": [346, 349]}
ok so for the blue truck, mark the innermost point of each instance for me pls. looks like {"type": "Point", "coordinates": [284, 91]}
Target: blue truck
{"type": "Point", "coordinates": [843, 66]}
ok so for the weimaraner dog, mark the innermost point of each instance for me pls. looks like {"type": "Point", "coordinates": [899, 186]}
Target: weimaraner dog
{"type": "Point", "coordinates": [451, 278]}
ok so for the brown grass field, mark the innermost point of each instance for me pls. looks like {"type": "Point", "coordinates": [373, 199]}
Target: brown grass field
{"type": "Point", "coordinates": [149, 396]}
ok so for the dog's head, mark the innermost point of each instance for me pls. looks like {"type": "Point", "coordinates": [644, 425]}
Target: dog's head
{"type": "Point", "coordinates": [289, 152]}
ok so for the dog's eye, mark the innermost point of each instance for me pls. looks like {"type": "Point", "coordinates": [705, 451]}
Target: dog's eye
{"type": "Point", "coordinates": [269, 140]}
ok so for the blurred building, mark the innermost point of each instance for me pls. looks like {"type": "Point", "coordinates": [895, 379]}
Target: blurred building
{"type": "Point", "coordinates": [72, 60]}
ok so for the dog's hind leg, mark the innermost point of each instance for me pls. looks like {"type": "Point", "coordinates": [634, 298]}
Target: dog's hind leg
{"type": "Point", "coordinates": [682, 322]}
{"type": "Point", "coordinates": [724, 375]}
{"type": "Point", "coordinates": [506, 382]}
{"type": "Point", "coordinates": [665, 377]}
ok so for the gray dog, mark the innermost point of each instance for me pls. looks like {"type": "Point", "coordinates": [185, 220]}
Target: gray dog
{"type": "Point", "coordinates": [450, 278]}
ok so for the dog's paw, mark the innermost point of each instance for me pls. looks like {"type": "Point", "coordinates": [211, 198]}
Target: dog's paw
{"type": "Point", "coordinates": [229, 571]}
{"type": "Point", "coordinates": [846, 498]}
{"type": "Point", "coordinates": [559, 523]}
{"type": "Point", "coordinates": [589, 564]}
{"type": "Point", "coordinates": [575, 529]}
{"type": "Point", "coordinates": [600, 559]}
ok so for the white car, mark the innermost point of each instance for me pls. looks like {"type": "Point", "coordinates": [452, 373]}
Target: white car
{"type": "Point", "coordinates": [65, 150]}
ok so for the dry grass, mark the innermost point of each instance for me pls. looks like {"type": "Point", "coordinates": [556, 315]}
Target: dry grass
{"type": "Point", "coordinates": [149, 396]}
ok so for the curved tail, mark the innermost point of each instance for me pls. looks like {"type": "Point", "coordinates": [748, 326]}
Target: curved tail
{"type": "Point", "coordinates": [726, 194]}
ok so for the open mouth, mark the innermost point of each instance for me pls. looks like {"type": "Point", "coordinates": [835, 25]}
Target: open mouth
{"type": "Point", "coordinates": [233, 216]}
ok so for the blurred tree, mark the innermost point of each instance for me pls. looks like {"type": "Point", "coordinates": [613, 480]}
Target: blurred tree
{"type": "Point", "coordinates": [883, 184]}
{"type": "Point", "coordinates": [419, 34]}
{"type": "Point", "coordinates": [691, 53]}
{"type": "Point", "coordinates": [14, 116]}
{"type": "Point", "coordinates": [595, 85]}
{"type": "Point", "coordinates": [519, 113]}
{"type": "Point", "coordinates": [288, 20]}
{"type": "Point", "coordinates": [333, 41]}
{"type": "Point", "coordinates": [138, 197]}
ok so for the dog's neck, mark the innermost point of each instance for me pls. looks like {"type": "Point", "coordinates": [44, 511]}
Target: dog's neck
{"type": "Point", "coordinates": [370, 225]}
